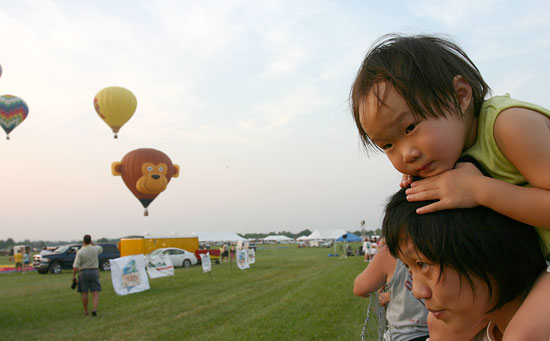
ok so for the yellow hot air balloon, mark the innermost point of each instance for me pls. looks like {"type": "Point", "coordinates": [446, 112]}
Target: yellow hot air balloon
{"type": "Point", "coordinates": [115, 106]}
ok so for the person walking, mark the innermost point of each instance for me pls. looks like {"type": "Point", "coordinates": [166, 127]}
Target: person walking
{"type": "Point", "coordinates": [86, 262]}
{"type": "Point", "coordinates": [26, 261]}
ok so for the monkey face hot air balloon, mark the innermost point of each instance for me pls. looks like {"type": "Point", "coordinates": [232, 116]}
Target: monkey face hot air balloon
{"type": "Point", "coordinates": [115, 106]}
{"type": "Point", "coordinates": [146, 172]}
{"type": "Point", "coordinates": [13, 110]}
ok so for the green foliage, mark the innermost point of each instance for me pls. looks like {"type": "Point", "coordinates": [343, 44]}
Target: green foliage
{"type": "Point", "coordinates": [39, 244]}
{"type": "Point", "coordinates": [289, 234]}
{"type": "Point", "coordinates": [289, 294]}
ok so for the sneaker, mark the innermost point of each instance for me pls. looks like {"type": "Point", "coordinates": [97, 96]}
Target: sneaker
{"type": "Point", "coordinates": [94, 313]}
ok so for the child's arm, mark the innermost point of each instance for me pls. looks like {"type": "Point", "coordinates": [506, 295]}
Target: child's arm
{"type": "Point", "coordinates": [376, 273]}
{"type": "Point", "coordinates": [531, 320]}
{"type": "Point", "coordinates": [523, 136]}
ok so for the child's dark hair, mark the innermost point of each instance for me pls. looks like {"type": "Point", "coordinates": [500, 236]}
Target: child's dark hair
{"type": "Point", "coordinates": [421, 69]}
{"type": "Point", "coordinates": [475, 242]}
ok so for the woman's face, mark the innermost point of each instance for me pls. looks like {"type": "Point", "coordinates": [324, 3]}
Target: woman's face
{"type": "Point", "coordinates": [448, 299]}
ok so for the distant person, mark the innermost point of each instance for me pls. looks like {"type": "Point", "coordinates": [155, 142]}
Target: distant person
{"type": "Point", "coordinates": [366, 249]}
{"type": "Point", "coordinates": [18, 260]}
{"type": "Point", "coordinates": [225, 253]}
{"type": "Point", "coordinates": [232, 252]}
{"type": "Point", "coordinates": [86, 262]}
{"type": "Point", "coordinates": [26, 261]}
{"type": "Point", "coordinates": [374, 247]}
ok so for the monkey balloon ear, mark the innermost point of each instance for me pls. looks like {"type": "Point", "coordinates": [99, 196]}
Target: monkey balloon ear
{"type": "Point", "coordinates": [115, 168]}
{"type": "Point", "coordinates": [176, 171]}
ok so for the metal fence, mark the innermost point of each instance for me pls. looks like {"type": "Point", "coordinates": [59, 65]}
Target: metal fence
{"type": "Point", "coordinates": [375, 324]}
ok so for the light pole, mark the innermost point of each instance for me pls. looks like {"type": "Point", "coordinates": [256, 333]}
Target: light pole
{"type": "Point", "coordinates": [362, 230]}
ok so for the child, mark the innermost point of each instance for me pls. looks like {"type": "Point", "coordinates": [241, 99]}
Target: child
{"type": "Point", "coordinates": [420, 99]}
{"type": "Point", "coordinates": [406, 316]}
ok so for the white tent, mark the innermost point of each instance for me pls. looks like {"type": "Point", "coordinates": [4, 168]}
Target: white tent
{"type": "Point", "coordinates": [220, 236]}
{"type": "Point", "coordinates": [302, 238]}
{"type": "Point", "coordinates": [278, 238]}
{"type": "Point", "coordinates": [326, 234]}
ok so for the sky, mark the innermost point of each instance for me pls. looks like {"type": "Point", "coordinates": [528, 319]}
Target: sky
{"type": "Point", "coordinates": [249, 98]}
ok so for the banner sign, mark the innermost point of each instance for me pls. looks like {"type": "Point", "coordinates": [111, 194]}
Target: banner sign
{"type": "Point", "coordinates": [251, 256]}
{"type": "Point", "coordinates": [159, 266]}
{"type": "Point", "coordinates": [206, 263]}
{"type": "Point", "coordinates": [128, 274]}
{"type": "Point", "coordinates": [242, 259]}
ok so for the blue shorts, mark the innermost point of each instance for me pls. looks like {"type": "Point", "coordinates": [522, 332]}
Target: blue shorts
{"type": "Point", "coordinates": [89, 280]}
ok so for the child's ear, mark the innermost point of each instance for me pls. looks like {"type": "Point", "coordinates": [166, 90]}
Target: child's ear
{"type": "Point", "coordinates": [463, 91]}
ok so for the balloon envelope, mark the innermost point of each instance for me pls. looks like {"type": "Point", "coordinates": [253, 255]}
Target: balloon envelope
{"type": "Point", "coordinates": [146, 172]}
{"type": "Point", "coordinates": [13, 110]}
{"type": "Point", "coordinates": [115, 106]}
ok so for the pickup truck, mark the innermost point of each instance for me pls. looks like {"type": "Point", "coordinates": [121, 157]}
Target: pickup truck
{"type": "Point", "coordinates": [214, 254]}
{"type": "Point", "coordinates": [63, 258]}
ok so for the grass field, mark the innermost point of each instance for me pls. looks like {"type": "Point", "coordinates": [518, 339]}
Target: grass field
{"type": "Point", "coordinates": [289, 294]}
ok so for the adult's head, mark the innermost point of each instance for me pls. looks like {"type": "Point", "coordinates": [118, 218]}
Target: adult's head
{"type": "Point", "coordinates": [87, 239]}
{"type": "Point", "coordinates": [467, 264]}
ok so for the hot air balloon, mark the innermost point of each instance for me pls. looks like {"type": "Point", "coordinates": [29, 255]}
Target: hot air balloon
{"type": "Point", "coordinates": [146, 172]}
{"type": "Point", "coordinates": [115, 106]}
{"type": "Point", "coordinates": [13, 110]}
{"type": "Point", "coordinates": [0, 70]}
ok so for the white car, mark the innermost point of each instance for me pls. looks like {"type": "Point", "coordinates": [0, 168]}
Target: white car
{"type": "Point", "coordinates": [179, 257]}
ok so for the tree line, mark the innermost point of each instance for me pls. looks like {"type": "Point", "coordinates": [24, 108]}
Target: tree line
{"type": "Point", "coordinates": [38, 244]}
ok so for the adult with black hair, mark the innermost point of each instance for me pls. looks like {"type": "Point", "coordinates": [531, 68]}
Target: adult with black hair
{"type": "Point", "coordinates": [467, 264]}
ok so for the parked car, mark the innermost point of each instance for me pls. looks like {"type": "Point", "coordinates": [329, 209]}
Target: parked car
{"type": "Point", "coordinates": [63, 258]}
{"type": "Point", "coordinates": [179, 257]}
{"type": "Point", "coordinates": [327, 244]}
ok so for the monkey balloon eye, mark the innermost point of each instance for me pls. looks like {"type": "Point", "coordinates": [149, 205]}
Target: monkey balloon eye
{"type": "Point", "coordinates": [150, 169]}
{"type": "Point", "coordinates": [161, 169]}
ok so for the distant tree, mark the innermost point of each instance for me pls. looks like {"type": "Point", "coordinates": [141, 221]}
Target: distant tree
{"type": "Point", "coordinates": [103, 240]}
{"type": "Point", "coordinates": [305, 232]}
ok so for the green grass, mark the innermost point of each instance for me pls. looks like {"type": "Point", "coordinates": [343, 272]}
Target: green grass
{"type": "Point", "coordinates": [289, 294]}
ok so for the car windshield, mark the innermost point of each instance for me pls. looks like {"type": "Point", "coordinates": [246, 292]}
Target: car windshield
{"type": "Point", "coordinates": [157, 251]}
{"type": "Point", "coordinates": [62, 249]}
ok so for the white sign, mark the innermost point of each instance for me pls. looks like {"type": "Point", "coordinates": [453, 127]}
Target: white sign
{"type": "Point", "coordinates": [206, 263]}
{"type": "Point", "coordinates": [128, 274]}
{"type": "Point", "coordinates": [159, 266]}
{"type": "Point", "coordinates": [251, 256]}
{"type": "Point", "coordinates": [242, 259]}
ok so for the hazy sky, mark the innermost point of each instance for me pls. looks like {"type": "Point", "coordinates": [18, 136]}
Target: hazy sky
{"type": "Point", "coordinates": [249, 98]}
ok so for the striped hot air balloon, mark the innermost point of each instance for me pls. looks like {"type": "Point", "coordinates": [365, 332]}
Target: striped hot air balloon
{"type": "Point", "coordinates": [13, 110]}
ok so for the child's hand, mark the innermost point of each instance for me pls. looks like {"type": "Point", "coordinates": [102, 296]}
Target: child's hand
{"type": "Point", "coordinates": [406, 180]}
{"type": "Point", "coordinates": [383, 298]}
{"type": "Point", "coordinates": [455, 188]}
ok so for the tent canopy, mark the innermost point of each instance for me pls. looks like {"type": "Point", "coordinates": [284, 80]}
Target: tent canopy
{"type": "Point", "coordinates": [350, 237]}
{"type": "Point", "coordinates": [326, 234]}
{"type": "Point", "coordinates": [278, 238]}
{"type": "Point", "coordinates": [220, 236]}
